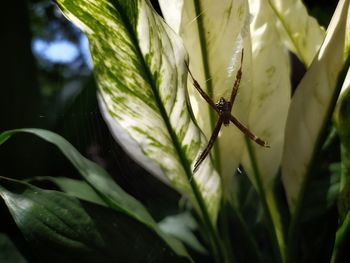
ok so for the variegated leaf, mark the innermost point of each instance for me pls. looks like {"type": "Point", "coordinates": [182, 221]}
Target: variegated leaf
{"type": "Point", "coordinates": [300, 32]}
{"type": "Point", "coordinates": [214, 33]}
{"type": "Point", "coordinates": [139, 63]}
{"type": "Point", "coordinates": [312, 104]}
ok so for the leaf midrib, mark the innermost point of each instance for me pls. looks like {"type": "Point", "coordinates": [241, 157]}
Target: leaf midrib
{"type": "Point", "coordinates": [209, 82]}
{"type": "Point", "coordinates": [290, 35]}
{"type": "Point", "coordinates": [177, 145]}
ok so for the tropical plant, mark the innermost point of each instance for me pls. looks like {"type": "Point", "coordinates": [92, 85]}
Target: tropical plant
{"type": "Point", "coordinates": [245, 203]}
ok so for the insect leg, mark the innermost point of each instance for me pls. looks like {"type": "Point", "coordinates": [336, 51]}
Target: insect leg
{"type": "Point", "coordinates": [209, 146]}
{"type": "Point", "coordinates": [248, 133]}
{"type": "Point", "coordinates": [236, 83]}
{"type": "Point", "coordinates": [201, 91]}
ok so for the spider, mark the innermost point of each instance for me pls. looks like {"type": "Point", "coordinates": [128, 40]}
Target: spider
{"type": "Point", "coordinates": [223, 108]}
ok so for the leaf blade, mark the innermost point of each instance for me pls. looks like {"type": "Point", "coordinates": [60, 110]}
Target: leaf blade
{"type": "Point", "coordinates": [272, 89]}
{"type": "Point", "coordinates": [311, 104]}
{"type": "Point", "coordinates": [77, 188]}
{"type": "Point", "coordinates": [139, 64]}
{"type": "Point", "coordinates": [8, 251]}
{"type": "Point", "coordinates": [102, 183]}
{"type": "Point", "coordinates": [214, 34]}
{"type": "Point", "coordinates": [59, 228]}
{"type": "Point", "coordinates": [300, 32]}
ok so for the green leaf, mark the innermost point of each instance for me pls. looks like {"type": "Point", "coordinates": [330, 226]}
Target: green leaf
{"type": "Point", "coordinates": [299, 31]}
{"type": "Point", "coordinates": [344, 201]}
{"type": "Point", "coordinates": [342, 241]}
{"type": "Point", "coordinates": [243, 235]}
{"type": "Point", "coordinates": [139, 63]}
{"type": "Point", "coordinates": [320, 197]}
{"type": "Point", "coordinates": [102, 183]}
{"type": "Point", "coordinates": [76, 188]}
{"type": "Point", "coordinates": [312, 105]}
{"type": "Point", "coordinates": [214, 34]}
{"type": "Point", "coordinates": [182, 227]}
{"type": "Point", "coordinates": [8, 252]}
{"type": "Point", "coordinates": [342, 121]}
{"type": "Point", "coordinates": [60, 228]}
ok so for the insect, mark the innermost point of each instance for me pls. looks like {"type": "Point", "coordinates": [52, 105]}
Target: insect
{"type": "Point", "coordinates": [223, 108]}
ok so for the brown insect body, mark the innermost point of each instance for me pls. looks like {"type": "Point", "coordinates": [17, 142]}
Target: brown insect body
{"type": "Point", "coordinates": [224, 109]}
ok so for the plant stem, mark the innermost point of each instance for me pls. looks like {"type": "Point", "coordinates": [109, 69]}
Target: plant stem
{"type": "Point", "coordinates": [216, 244]}
{"type": "Point", "coordinates": [225, 232]}
{"type": "Point", "coordinates": [212, 234]}
{"type": "Point", "coordinates": [271, 211]}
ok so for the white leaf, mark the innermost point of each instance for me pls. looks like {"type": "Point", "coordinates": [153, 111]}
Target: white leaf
{"type": "Point", "coordinates": [311, 104]}
{"type": "Point", "coordinates": [300, 32]}
{"type": "Point", "coordinates": [214, 34]}
{"type": "Point", "coordinates": [271, 93]}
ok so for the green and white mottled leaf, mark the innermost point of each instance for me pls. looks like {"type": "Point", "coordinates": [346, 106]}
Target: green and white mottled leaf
{"type": "Point", "coordinates": [300, 32]}
{"type": "Point", "coordinates": [139, 63]}
{"type": "Point", "coordinates": [271, 93]}
{"type": "Point", "coordinates": [111, 193]}
{"type": "Point", "coordinates": [311, 106]}
{"type": "Point", "coordinates": [214, 33]}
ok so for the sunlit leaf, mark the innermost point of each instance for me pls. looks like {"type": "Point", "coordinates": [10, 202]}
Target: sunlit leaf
{"type": "Point", "coordinates": [102, 183]}
{"type": "Point", "coordinates": [60, 228]}
{"type": "Point", "coordinates": [300, 32]}
{"type": "Point", "coordinates": [311, 106]}
{"type": "Point", "coordinates": [139, 63]}
{"type": "Point", "coordinates": [214, 33]}
{"type": "Point", "coordinates": [271, 91]}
